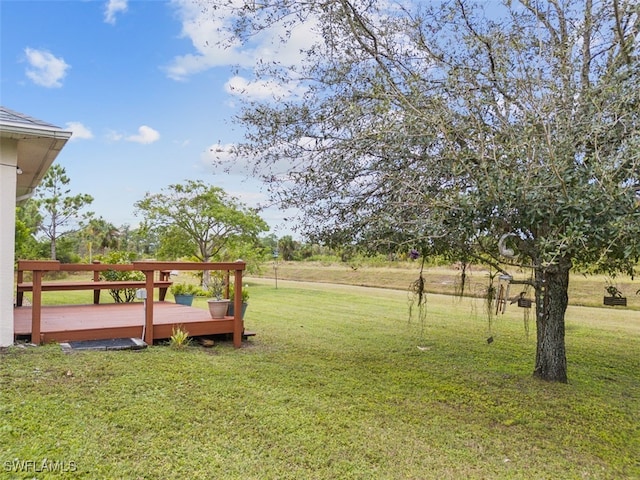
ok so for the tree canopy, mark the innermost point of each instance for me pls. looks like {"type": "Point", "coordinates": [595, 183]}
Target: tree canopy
{"type": "Point", "coordinates": [198, 220]}
{"type": "Point", "coordinates": [28, 219]}
{"type": "Point", "coordinates": [501, 133]}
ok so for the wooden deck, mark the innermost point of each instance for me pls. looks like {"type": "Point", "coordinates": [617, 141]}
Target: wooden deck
{"type": "Point", "coordinates": [147, 320]}
{"type": "Point", "coordinates": [66, 323]}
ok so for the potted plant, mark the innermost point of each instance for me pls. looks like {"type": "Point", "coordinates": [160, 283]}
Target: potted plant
{"type": "Point", "coordinates": [615, 297]}
{"type": "Point", "coordinates": [245, 298]}
{"type": "Point", "coordinates": [183, 293]}
{"type": "Point", "coordinates": [217, 305]}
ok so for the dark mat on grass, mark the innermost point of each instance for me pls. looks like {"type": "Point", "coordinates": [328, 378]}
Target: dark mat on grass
{"type": "Point", "coordinates": [109, 344]}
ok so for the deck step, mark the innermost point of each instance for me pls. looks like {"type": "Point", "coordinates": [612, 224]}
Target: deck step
{"type": "Point", "coordinates": [247, 334]}
{"type": "Point", "coordinates": [107, 344]}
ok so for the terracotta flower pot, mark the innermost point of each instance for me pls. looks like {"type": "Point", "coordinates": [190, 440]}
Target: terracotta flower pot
{"type": "Point", "coordinates": [218, 308]}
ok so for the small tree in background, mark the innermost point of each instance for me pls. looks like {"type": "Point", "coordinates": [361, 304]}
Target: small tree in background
{"type": "Point", "coordinates": [100, 236]}
{"type": "Point", "coordinates": [203, 217]}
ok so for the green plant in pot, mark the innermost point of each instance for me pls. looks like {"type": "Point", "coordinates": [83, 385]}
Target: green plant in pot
{"type": "Point", "coordinates": [245, 298]}
{"type": "Point", "coordinates": [217, 305]}
{"type": "Point", "coordinates": [183, 293]}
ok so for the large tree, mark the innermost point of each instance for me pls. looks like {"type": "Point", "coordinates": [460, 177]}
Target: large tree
{"type": "Point", "coordinates": [202, 219]}
{"type": "Point", "coordinates": [61, 212]}
{"type": "Point", "coordinates": [505, 134]}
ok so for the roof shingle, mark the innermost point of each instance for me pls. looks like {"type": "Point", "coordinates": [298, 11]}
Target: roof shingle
{"type": "Point", "coordinates": [8, 116]}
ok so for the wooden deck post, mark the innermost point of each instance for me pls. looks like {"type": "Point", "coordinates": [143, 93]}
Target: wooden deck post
{"type": "Point", "coordinates": [237, 310]}
{"type": "Point", "coordinates": [36, 306]}
{"type": "Point", "coordinates": [163, 276]}
{"type": "Point", "coordinates": [19, 294]}
{"type": "Point", "coordinates": [148, 314]}
{"type": "Point", "coordinates": [96, 278]}
{"type": "Point", "coordinates": [38, 268]}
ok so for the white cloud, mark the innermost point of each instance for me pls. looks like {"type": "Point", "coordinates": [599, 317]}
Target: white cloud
{"type": "Point", "coordinates": [260, 89]}
{"type": "Point", "coordinates": [46, 69]}
{"type": "Point", "coordinates": [80, 132]}
{"type": "Point", "coordinates": [231, 167]}
{"type": "Point", "coordinates": [203, 29]}
{"type": "Point", "coordinates": [113, 7]}
{"type": "Point", "coordinates": [226, 157]}
{"type": "Point", "coordinates": [145, 135]}
{"type": "Point", "coordinates": [213, 48]}
{"type": "Point", "coordinates": [230, 160]}
{"type": "Point", "coordinates": [249, 198]}
{"type": "Point", "coordinates": [114, 136]}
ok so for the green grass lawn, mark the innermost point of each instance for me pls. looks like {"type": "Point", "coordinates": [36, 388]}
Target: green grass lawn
{"type": "Point", "coordinates": [337, 384]}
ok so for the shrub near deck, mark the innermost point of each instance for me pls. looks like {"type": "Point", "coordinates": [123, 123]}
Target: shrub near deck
{"type": "Point", "coordinates": [340, 395]}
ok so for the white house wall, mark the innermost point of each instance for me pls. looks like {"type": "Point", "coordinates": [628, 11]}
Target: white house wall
{"type": "Point", "coordinates": [8, 161]}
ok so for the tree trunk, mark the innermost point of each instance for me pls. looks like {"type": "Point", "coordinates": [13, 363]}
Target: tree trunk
{"type": "Point", "coordinates": [552, 284]}
{"type": "Point", "coordinates": [206, 274]}
{"type": "Point", "coordinates": [53, 236]}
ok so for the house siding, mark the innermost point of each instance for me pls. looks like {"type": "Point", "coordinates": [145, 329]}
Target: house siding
{"type": "Point", "coordinates": [9, 161]}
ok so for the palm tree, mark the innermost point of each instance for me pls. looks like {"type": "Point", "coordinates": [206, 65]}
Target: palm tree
{"type": "Point", "coordinates": [102, 235]}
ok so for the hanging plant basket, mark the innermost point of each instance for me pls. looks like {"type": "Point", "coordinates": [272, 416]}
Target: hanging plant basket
{"type": "Point", "coordinates": [615, 301]}
{"type": "Point", "coordinates": [524, 302]}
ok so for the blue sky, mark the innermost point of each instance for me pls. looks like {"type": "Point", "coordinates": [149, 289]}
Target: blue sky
{"type": "Point", "coordinates": [144, 88]}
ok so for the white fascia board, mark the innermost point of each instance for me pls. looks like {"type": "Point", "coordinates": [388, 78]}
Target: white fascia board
{"type": "Point", "coordinates": [20, 131]}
